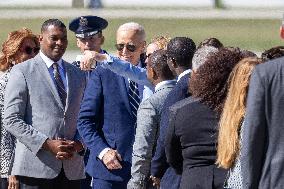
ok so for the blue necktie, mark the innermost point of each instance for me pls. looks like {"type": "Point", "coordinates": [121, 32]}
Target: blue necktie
{"type": "Point", "coordinates": [59, 84]}
{"type": "Point", "coordinates": [134, 99]}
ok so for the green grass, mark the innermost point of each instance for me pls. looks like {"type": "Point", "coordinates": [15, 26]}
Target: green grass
{"type": "Point", "coordinates": [248, 34]}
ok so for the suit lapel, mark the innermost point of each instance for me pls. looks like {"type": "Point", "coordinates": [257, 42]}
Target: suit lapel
{"type": "Point", "coordinates": [42, 68]}
{"type": "Point", "coordinates": [71, 83]}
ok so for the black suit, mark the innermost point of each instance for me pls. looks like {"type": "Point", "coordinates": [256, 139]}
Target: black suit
{"type": "Point", "coordinates": [191, 145]}
{"type": "Point", "coordinates": [159, 166]}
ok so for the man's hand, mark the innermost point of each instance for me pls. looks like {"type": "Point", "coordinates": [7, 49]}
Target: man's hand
{"type": "Point", "coordinates": [89, 59]}
{"type": "Point", "coordinates": [156, 181]}
{"type": "Point", "coordinates": [111, 159]}
{"type": "Point", "coordinates": [13, 182]}
{"type": "Point", "coordinates": [62, 149]}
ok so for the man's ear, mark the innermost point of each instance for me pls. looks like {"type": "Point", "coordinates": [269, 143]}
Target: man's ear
{"type": "Point", "coordinates": [155, 75]}
{"type": "Point", "coordinates": [144, 46]}
{"type": "Point", "coordinates": [174, 63]}
{"type": "Point", "coordinates": [102, 40]}
{"type": "Point", "coordinates": [78, 42]}
{"type": "Point", "coordinates": [40, 38]}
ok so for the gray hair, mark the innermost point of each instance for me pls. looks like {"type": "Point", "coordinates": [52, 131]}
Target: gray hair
{"type": "Point", "coordinates": [201, 55]}
{"type": "Point", "coordinates": [135, 27]}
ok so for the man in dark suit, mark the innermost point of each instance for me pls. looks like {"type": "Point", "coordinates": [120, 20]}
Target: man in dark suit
{"type": "Point", "coordinates": [108, 114]}
{"type": "Point", "coordinates": [262, 149]}
{"type": "Point", "coordinates": [89, 36]}
{"type": "Point", "coordinates": [180, 51]}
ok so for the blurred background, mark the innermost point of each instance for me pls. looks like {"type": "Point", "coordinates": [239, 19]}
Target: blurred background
{"type": "Point", "coordinates": [252, 25]}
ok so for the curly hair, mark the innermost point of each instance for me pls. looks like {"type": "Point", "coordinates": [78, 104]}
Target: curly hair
{"type": "Point", "coordinates": [274, 52]}
{"type": "Point", "coordinates": [13, 43]}
{"type": "Point", "coordinates": [161, 41]}
{"type": "Point", "coordinates": [234, 112]}
{"type": "Point", "coordinates": [209, 82]}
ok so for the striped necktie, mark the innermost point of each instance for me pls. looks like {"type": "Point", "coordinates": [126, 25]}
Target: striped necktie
{"type": "Point", "coordinates": [134, 99]}
{"type": "Point", "coordinates": [59, 84]}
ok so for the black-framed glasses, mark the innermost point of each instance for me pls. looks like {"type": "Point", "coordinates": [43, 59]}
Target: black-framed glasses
{"type": "Point", "coordinates": [30, 50]}
{"type": "Point", "coordinates": [129, 47]}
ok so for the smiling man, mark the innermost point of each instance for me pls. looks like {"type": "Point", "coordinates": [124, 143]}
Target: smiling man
{"type": "Point", "coordinates": [41, 107]}
{"type": "Point", "coordinates": [108, 114]}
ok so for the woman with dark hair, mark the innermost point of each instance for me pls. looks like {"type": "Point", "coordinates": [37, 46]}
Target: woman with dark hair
{"type": "Point", "coordinates": [193, 127]}
{"type": "Point", "coordinates": [274, 52]}
{"type": "Point", "coordinates": [20, 45]}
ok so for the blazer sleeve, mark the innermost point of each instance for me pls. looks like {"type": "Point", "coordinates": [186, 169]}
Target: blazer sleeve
{"type": "Point", "coordinates": [145, 141]}
{"type": "Point", "coordinates": [172, 143]}
{"type": "Point", "coordinates": [254, 133]}
{"type": "Point", "coordinates": [15, 102]}
{"type": "Point", "coordinates": [159, 163]}
{"type": "Point", "coordinates": [127, 70]}
{"type": "Point", "coordinates": [90, 115]}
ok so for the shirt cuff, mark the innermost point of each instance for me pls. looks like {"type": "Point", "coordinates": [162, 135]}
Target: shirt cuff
{"type": "Point", "coordinates": [103, 152]}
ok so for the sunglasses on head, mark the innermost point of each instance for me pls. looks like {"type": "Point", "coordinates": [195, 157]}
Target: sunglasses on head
{"type": "Point", "coordinates": [30, 50]}
{"type": "Point", "coordinates": [129, 47]}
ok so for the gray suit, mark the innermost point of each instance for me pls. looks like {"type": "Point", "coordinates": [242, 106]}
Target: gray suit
{"type": "Point", "coordinates": [262, 159]}
{"type": "Point", "coordinates": [34, 112]}
{"type": "Point", "coordinates": [148, 123]}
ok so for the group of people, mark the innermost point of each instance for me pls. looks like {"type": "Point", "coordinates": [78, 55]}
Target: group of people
{"type": "Point", "coordinates": [166, 115]}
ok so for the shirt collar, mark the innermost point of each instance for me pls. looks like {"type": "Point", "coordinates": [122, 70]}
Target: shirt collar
{"type": "Point", "coordinates": [49, 62]}
{"type": "Point", "coordinates": [183, 74]}
{"type": "Point", "coordinates": [163, 83]}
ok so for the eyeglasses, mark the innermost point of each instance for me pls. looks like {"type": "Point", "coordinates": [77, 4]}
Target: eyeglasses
{"type": "Point", "coordinates": [30, 50]}
{"type": "Point", "coordinates": [129, 47]}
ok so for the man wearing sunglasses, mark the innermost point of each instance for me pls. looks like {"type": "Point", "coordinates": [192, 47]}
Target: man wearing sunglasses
{"type": "Point", "coordinates": [89, 36]}
{"type": "Point", "coordinates": [108, 111]}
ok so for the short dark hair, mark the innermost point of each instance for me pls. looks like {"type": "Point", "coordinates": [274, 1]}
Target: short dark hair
{"type": "Point", "coordinates": [52, 22]}
{"type": "Point", "coordinates": [209, 82]}
{"type": "Point", "coordinates": [181, 49]}
{"type": "Point", "coordinates": [214, 42]}
{"type": "Point", "coordinates": [274, 52]}
{"type": "Point", "coordinates": [158, 61]}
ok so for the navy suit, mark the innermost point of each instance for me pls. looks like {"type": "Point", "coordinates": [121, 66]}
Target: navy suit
{"type": "Point", "coordinates": [105, 120]}
{"type": "Point", "coordinates": [159, 166]}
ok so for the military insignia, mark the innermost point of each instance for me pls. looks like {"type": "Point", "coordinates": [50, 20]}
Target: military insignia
{"type": "Point", "coordinates": [83, 21]}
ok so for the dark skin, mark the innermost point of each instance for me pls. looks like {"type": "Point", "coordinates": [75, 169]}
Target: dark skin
{"type": "Point", "coordinates": [174, 67]}
{"type": "Point", "coordinates": [53, 43]}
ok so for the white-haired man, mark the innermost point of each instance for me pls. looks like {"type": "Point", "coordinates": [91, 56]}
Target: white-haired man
{"type": "Point", "coordinates": [108, 114]}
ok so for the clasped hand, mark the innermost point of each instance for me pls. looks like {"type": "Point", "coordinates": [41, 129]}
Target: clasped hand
{"type": "Point", "coordinates": [62, 149]}
{"type": "Point", "coordinates": [111, 159]}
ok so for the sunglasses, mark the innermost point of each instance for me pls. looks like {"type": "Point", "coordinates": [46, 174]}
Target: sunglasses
{"type": "Point", "coordinates": [129, 47]}
{"type": "Point", "coordinates": [30, 50]}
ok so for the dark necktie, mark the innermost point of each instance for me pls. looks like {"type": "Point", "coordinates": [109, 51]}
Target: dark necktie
{"type": "Point", "coordinates": [59, 84]}
{"type": "Point", "coordinates": [134, 99]}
